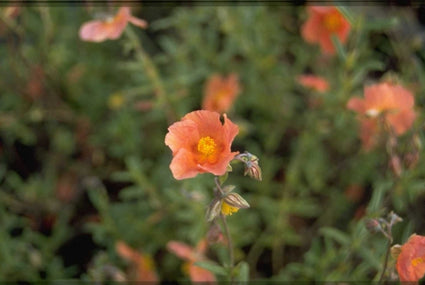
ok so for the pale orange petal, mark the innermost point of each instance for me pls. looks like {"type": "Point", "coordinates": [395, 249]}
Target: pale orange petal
{"type": "Point", "coordinates": [138, 22]}
{"type": "Point", "coordinates": [344, 31]}
{"type": "Point", "coordinates": [356, 104]}
{"type": "Point", "coordinates": [230, 130]}
{"type": "Point", "coordinates": [184, 166]}
{"type": "Point", "coordinates": [401, 121]}
{"type": "Point", "coordinates": [315, 82]}
{"type": "Point", "coordinates": [145, 270]}
{"type": "Point", "coordinates": [182, 250]}
{"type": "Point", "coordinates": [126, 252]}
{"type": "Point", "coordinates": [311, 30]}
{"type": "Point", "coordinates": [403, 97]}
{"type": "Point", "coordinates": [95, 31]}
{"type": "Point", "coordinates": [208, 122]}
{"type": "Point", "coordinates": [327, 45]}
{"type": "Point", "coordinates": [368, 131]}
{"type": "Point", "coordinates": [182, 134]}
{"type": "Point", "coordinates": [198, 274]}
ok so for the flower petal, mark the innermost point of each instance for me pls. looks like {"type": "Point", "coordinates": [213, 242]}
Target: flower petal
{"type": "Point", "coordinates": [401, 121]}
{"type": "Point", "coordinates": [138, 22]}
{"type": "Point", "coordinates": [199, 274]}
{"type": "Point", "coordinates": [356, 104]}
{"type": "Point", "coordinates": [182, 250]}
{"type": "Point", "coordinates": [182, 134]}
{"type": "Point", "coordinates": [183, 165]}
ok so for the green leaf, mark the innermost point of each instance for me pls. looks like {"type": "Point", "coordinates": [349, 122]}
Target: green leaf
{"type": "Point", "coordinates": [347, 14]}
{"type": "Point", "coordinates": [242, 272]}
{"type": "Point", "coordinates": [336, 235]}
{"type": "Point", "coordinates": [223, 178]}
{"type": "Point", "coordinates": [213, 267]}
{"type": "Point", "coordinates": [339, 48]}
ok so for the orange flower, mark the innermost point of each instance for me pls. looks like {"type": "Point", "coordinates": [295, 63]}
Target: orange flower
{"type": "Point", "coordinates": [322, 24]}
{"type": "Point", "coordinates": [201, 143]}
{"type": "Point", "coordinates": [192, 255]}
{"type": "Point", "coordinates": [142, 265]}
{"type": "Point", "coordinates": [111, 28]}
{"type": "Point", "coordinates": [411, 260]}
{"type": "Point", "coordinates": [314, 82]}
{"type": "Point", "coordinates": [220, 93]}
{"type": "Point", "coordinates": [391, 102]}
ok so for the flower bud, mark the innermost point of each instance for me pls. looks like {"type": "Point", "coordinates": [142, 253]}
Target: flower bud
{"type": "Point", "coordinates": [373, 226]}
{"type": "Point", "coordinates": [394, 218]}
{"type": "Point", "coordinates": [213, 210]}
{"type": "Point", "coordinates": [236, 200]}
{"type": "Point", "coordinates": [395, 251]}
{"type": "Point", "coordinates": [229, 188]}
{"type": "Point", "coordinates": [253, 170]}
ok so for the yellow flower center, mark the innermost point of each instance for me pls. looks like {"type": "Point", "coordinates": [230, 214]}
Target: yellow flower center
{"type": "Point", "coordinates": [417, 261]}
{"type": "Point", "coordinates": [207, 146]}
{"type": "Point", "coordinates": [228, 210]}
{"type": "Point", "coordinates": [332, 22]}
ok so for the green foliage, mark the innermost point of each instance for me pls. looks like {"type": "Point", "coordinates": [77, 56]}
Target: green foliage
{"type": "Point", "coordinates": [83, 164]}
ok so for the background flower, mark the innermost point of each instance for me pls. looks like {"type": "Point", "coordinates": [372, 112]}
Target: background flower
{"type": "Point", "coordinates": [391, 102]}
{"type": "Point", "coordinates": [111, 28]}
{"type": "Point", "coordinates": [323, 22]}
{"type": "Point", "coordinates": [220, 92]}
{"type": "Point", "coordinates": [142, 267]}
{"type": "Point", "coordinates": [192, 255]}
{"type": "Point", "coordinates": [317, 83]}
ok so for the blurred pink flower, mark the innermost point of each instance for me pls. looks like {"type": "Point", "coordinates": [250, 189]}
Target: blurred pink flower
{"type": "Point", "coordinates": [111, 28]}
{"type": "Point", "coordinates": [220, 92]}
{"type": "Point", "coordinates": [142, 266]}
{"type": "Point", "coordinates": [323, 22]}
{"type": "Point", "coordinates": [314, 82]}
{"type": "Point", "coordinates": [391, 102]}
{"type": "Point", "coordinates": [192, 255]}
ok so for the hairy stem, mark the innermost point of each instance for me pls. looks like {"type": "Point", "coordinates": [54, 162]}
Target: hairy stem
{"type": "Point", "coordinates": [381, 279]}
{"type": "Point", "coordinates": [229, 243]}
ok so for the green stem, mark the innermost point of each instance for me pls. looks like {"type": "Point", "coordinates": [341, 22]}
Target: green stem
{"type": "Point", "coordinates": [229, 244]}
{"type": "Point", "coordinates": [381, 279]}
{"type": "Point", "coordinates": [153, 75]}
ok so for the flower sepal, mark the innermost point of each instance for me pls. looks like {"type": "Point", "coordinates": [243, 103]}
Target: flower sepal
{"type": "Point", "coordinates": [236, 200]}
{"type": "Point", "coordinates": [214, 209]}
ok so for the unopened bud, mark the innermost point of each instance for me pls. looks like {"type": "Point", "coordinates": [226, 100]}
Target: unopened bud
{"type": "Point", "coordinates": [229, 188]}
{"type": "Point", "coordinates": [251, 165]}
{"type": "Point", "coordinates": [236, 200]}
{"type": "Point", "coordinates": [395, 251]}
{"type": "Point", "coordinates": [394, 218]}
{"type": "Point", "coordinates": [373, 226]}
{"type": "Point", "coordinates": [213, 210]}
